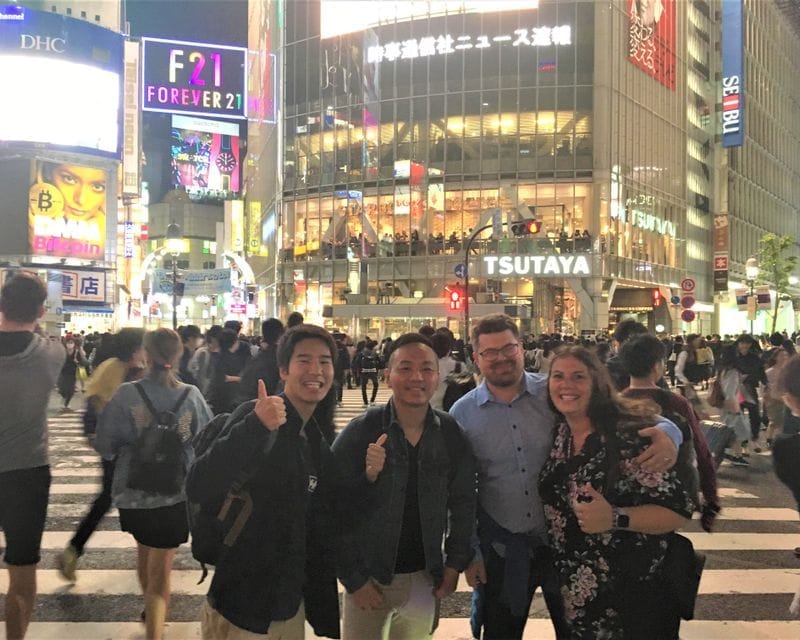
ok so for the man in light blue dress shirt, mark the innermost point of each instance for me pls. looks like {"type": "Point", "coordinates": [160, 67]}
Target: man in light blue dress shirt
{"type": "Point", "coordinates": [509, 423]}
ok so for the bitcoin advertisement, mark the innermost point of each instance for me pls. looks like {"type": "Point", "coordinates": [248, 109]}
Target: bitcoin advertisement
{"type": "Point", "coordinates": [67, 211]}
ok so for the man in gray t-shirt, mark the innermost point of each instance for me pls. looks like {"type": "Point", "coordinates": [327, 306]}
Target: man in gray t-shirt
{"type": "Point", "coordinates": [29, 367]}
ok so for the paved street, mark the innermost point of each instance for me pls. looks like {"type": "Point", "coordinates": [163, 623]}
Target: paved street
{"type": "Point", "coordinates": [750, 576]}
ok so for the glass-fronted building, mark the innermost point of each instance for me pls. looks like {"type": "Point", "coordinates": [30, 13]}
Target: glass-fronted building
{"type": "Point", "coordinates": [404, 135]}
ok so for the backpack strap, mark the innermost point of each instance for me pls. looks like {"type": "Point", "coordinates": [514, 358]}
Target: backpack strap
{"type": "Point", "coordinates": [153, 411]}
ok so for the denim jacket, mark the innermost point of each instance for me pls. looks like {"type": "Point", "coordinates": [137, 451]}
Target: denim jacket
{"type": "Point", "coordinates": [373, 512]}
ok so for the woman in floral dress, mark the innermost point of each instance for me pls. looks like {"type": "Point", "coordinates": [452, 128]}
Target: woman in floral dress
{"type": "Point", "coordinates": [607, 518]}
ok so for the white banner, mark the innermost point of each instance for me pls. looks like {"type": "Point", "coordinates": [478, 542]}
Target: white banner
{"type": "Point", "coordinates": [131, 131]}
{"type": "Point", "coordinates": [207, 282]}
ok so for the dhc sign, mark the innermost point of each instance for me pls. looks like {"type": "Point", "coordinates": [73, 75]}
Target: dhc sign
{"type": "Point", "coordinates": [553, 266]}
{"type": "Point", "coordinates": [732, 74]}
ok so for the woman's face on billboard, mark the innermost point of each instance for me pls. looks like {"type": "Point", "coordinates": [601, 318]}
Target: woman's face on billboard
{"type": "Point", "coordinates": [83, 188]}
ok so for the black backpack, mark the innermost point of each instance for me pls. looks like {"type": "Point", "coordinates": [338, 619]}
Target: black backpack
{"type": "Point", "coordinates": [216, 526]}
{"type": "Point", "coordinates": [458, 384]}
{"type": "Point", "coordinates": [157, 464]}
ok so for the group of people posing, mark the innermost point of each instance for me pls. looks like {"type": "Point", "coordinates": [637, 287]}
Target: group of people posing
{"type": "Point", "coordinates": [530, 481]}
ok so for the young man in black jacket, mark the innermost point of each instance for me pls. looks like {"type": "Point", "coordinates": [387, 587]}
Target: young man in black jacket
{"type": "Point", "coordinates": [407, 489]}
{"type": "Point", "coordinates": [280, 571]}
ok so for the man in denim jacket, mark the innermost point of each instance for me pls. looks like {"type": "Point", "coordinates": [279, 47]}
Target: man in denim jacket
{"type": "Point", "coordinates": [407, 484]}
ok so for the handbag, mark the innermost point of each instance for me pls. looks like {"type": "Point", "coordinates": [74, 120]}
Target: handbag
{"type": "Point", "coordinates": [682, 567]}
{"type": "Point", "coordinates": [681, 572]}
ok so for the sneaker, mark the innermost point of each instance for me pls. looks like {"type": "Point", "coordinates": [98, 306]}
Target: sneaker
{"type": "Point", "coordinates": [366, 405]}
{"type": "Point", "coordinates": [68, 562]}
{"type": "Point", "coordinates": [739, 461]}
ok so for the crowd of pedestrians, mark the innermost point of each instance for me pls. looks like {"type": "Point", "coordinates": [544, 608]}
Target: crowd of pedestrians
{"type": "Point", "coordinates": [563, 465]}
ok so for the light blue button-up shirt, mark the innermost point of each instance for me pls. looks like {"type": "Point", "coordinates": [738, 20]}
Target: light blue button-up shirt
{"type": "Point", "coordinates": [511, 442]}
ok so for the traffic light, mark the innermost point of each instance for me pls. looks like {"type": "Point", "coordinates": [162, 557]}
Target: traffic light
{"type": "Point", "coordinates": [657, 298]}
{"type": "Point", "coordinates": [525, 227]}
{"type": "Point", "coordinates": [455, 295]}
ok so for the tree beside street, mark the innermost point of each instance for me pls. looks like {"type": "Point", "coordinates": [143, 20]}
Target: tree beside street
{"type": "Point", "coordinates": [775, 267]}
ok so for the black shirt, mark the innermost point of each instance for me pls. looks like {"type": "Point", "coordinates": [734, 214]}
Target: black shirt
{"type": "Point", "coordinates": [14, 342]}
{"type": "Point", "coordinates": [410, 548]}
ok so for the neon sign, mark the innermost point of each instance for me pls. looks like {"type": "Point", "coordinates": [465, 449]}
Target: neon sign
{"type": "Point", "coordinates": [554, 265]}
{"type": "Point", "coordinates": [194, 78]}
{"type": "Point", "coordinates": [446, 43]}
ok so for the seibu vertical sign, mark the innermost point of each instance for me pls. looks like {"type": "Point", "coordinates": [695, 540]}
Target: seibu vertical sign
{"type": "Point", "coordinates": [193, 78]}
{"type": "Point", "coordinates": [732, 74]}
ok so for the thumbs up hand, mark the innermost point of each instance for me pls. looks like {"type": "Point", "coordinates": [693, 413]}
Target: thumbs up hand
{"type": "Point", "coordinates": [592, 510]}
{"type": "Point", "coordinates": [271, 410]}
{"type": "Point", "coordinates": [376, 458]}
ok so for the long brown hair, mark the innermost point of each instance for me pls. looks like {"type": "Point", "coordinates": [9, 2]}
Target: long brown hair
{"type": "Point", "coordinates": [164, 349]}
{"type": "Point", "coordinates": [608, 410]}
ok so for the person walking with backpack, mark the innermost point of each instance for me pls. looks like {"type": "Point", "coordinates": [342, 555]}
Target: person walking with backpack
{"type": "Point", "coordinates": [125, 366]}
{"type": "Point", "coordinates": [148, 426]}
{"type": "Point", "coordinates": [279, 570]}
{"type": "Point", "coordinates": [368, 365]}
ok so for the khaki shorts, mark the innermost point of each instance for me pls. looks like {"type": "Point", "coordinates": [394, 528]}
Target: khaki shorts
{"type": "Point", "coordinates": [213, 626]}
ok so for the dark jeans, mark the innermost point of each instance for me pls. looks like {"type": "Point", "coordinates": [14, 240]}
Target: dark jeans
{"type": "Point", "coordinates": [101, 506]}
{"type": "Point", "coordinates": [755, 418]}
{"type": "Point", "coordinates": [339, 385]}
{"type": "Point", "coordinates": [366, 377]}
{"type": "Point", "coordinates": [498, 621]}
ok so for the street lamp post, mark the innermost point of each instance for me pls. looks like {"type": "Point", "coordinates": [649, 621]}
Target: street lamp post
{"type": "Point", "coordinates": [174, 245]}
{"type": "Point", "coordinates": [751, 273]}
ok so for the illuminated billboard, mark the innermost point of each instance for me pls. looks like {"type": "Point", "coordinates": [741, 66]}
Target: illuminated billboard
{"type": "Point", "coordinates": [67, 211]}
{"type": "Point", "coordinates": [192, 78]}
{"type": "Point", "coordinates": [651, 39]}
{"type": "Point", "coordinates": [205, 157]}
{"type": "Point", "coordinates": [62, 83]}
{"type": "Point", "coordinates": [338, 17]}
{"type": "Point", "coordinates": [732, 73]}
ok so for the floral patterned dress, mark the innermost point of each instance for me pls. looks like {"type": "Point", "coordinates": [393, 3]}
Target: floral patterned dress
{"type": "Point", "coordinates": [589, 565]}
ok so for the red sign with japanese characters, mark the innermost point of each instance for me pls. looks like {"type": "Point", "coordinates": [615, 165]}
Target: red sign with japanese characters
{"type": "Point", "coordinates": [651, 39]}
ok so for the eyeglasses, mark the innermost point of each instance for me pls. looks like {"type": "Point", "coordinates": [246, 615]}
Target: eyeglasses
{"type": "Point", "coordinates": [493, 354]}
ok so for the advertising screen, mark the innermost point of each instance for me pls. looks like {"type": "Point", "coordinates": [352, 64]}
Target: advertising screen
{"type": "Point", "coordinates": [205, 157]}
{"type": "Point", "coordinates": [652, 39]}
{"type": "Point", "coordinates": [62, 82]}
{"type": "Point", "coordinates": [338, 17]}
{"type": "Point", "coordinates": [67, 211]}
{"type": "Point", "coordinates": [193, 78]}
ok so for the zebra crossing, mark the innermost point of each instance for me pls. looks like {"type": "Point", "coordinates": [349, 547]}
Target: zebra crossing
{"type": "Point", "coordinates": [750, 565]}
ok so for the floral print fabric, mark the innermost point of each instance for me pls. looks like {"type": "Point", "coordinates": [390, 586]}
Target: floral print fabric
{"type": "Point", "coordinates": [589, 565]}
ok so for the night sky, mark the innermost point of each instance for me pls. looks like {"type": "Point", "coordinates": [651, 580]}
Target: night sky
{"type": "Point", "coordinates": [215, 21]}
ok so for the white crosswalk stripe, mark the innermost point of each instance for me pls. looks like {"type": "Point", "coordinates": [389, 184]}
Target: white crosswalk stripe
{"type": "Point", "coordinates": [105, 602]}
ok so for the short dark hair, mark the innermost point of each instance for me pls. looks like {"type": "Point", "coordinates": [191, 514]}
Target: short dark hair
{"type": "Point", "coordinates": [427, 330]}
{"type": "Point", "coordinates": [227, 338]}
{"type": "Point", "coordinates": [128, 341]}
{"type": "Point", "coordinates": [628, 328]}
{"type": "Point", "coordinates": [298, 333]}
{"type": "Point", "coordinates": [640, 354]}
{"type": "Point", "coordinates": [189, 331]}
{"type": "Point", "coordinates": [213, 332]}
{"type": "Point", "coordinates": [271, 330]}
{"type": "Point", "coordinates": [493, 323]}
{"type": "Point", "coordinates": [295, 318]}
{"type": "Point", "coordinates": [233, 325]}
{"type": "Point", "coordinates": [405, 340]}
{"type": "Point", "coordinates": [442, 344]}
{"type": "Point", "coordinates": [22, 297]}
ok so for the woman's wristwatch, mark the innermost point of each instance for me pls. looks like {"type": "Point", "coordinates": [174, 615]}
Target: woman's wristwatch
{"type": "Point", "coordinates": [619, 518]}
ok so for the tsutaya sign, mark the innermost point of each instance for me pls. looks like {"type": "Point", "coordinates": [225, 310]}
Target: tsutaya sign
{"type": "Point", "coordinates": [563, 265]}
{"type": "Point", "coordinates": [642, 219]}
